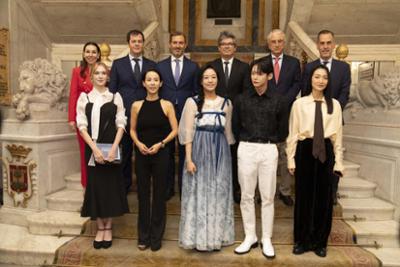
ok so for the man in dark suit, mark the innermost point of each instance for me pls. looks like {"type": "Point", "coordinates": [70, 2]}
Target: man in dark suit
{"type": "Point", "coordinates": [126, 79]}
{"type": "Point", "coordinates": [340, 77]}
{"type": "Point", "coordinates": [179, 82]}
{"type": "Point", "coordinates": [286, 82]}
{"type": "Point", "coordinates": [234, 78]}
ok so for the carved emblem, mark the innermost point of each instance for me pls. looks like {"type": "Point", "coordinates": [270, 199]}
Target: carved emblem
{"type": "Point", "coordinates": [19, 174]}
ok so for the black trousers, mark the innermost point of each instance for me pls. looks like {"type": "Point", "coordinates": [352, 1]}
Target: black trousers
{"type": "Point", "coordinates": [151, 173]}
{"type": "Point", "coordinates": [127, 149]}
{"type": "Point", "coordinates": [235, 180]}
{"type": "Point", "coordinates": [314, 204]}
{"type": "Point", "coordinates": [171, 167]}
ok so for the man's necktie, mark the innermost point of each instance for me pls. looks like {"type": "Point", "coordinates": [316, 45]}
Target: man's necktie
{"type": "Point", "coordinates": [276, 69]}
{"type": "Point", "coordinates": [325, 63]}
{"type": "Point", "coordinates": [226, 72]}
{"type": "Point", "coordinates": [177, 73]}
{"type": "Point", "coordinates": [136, 70]}
{"type": "Point", "coordinates": [318, 149]}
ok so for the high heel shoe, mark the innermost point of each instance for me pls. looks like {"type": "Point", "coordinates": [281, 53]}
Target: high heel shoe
{"type": "Point", "coordinates": [107, 243]}
{"type": "Point", "coordinates": [98, 244]}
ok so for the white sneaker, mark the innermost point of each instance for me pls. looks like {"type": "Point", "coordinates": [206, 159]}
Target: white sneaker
{"type": "Point", "coordinates": [267, 248]}
{"type": "Point", "coordinates": [247, 245]}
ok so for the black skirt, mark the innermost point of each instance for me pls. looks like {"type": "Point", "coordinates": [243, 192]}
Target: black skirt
{"type": "Point", "coordinates": [314, 203]}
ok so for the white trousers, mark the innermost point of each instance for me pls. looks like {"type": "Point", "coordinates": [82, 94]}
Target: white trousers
{"type": "Point", "coordinates": [257, 163]}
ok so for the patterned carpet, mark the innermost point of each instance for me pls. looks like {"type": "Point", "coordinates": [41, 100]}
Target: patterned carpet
{"type": "Point", "coordinates": [341, 250]}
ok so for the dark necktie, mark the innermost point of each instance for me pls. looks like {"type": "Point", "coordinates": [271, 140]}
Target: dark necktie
{"type": "Point", "coordinates": [136, 69]}
{"type": "Point", "coordinates": [325, 63]}
{"type": "Point", "coordinates": [226, 72]}
{"type": "Point", "coordinates": [318, 149]}
{"type": "Point", "coordinates": [177, 73]}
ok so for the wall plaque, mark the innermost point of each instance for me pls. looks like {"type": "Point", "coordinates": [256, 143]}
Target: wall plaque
{"type": "Point", "coordinates": [5, 95]}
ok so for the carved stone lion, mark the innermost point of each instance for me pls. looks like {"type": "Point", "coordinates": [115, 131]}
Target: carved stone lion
{"type": "Point", "coordinates": [381, 92]}
{"type": "Point", "coordinates": [42, 87]}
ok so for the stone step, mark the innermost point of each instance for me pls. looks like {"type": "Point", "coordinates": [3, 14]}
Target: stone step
{"type": "Point", "coordinates": [385, 233]}
{"type": "Point", "coordinates": [350, 169]}
{"type": "Point", "coordinates": [74, 181]}
{"type": "Point", "coordinates": [19, 247]}
{"type": "Point", "coordinates": [356, 188]}
{"type": "Point", "coordinates": [388, 256]}
{"type": "Point", "coordinates": [52, 222]}
{"type": "Point", "coordinates": [65, 200]}
{"type": "Point", "coordinates": [370, 209]}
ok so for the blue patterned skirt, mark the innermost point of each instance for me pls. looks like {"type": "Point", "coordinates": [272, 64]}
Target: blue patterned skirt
{"type": "Point", "coordinates": [207, 217]}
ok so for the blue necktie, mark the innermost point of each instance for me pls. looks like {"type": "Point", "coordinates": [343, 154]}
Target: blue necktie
{"type": "Point", "coordinates": [177, 71]}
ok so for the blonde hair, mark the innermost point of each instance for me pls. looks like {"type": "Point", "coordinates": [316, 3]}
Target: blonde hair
{"type": "Point", "coordinates": [95, 66]}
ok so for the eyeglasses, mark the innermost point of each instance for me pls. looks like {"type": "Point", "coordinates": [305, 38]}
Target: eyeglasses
{"type": "Point", "coordinates": [227, 44]}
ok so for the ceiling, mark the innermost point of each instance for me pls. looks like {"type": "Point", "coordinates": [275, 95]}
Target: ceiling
{"type": "Point", "coordinates": [78, 21]}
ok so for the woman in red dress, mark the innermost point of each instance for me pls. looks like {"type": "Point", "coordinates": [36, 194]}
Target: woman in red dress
{"type": "Point", "coordinates": [80, 82]}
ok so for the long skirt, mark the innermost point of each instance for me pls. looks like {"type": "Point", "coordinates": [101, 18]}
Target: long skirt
{"type": "Point", "coordinates": [207, 220]}
{"type": "Point", "coordinates": [314, 203]}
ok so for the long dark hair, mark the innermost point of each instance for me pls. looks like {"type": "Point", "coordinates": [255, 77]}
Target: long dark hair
{"type": "Point", "coordinates": [327, 92]}
{"type": "Point", "coordinates": [84, 64]}
{"type": "Point", "coordinates": [200, 98]}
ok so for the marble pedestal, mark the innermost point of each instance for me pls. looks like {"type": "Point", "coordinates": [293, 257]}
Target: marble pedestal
{"type": "Point", "coordinates": [50, 151]}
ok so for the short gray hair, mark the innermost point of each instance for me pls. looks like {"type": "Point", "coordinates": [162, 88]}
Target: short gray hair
{"type": "Point", "coordinates": [276, 31]}
{"type": "Point", "coordinates": [225, 35]}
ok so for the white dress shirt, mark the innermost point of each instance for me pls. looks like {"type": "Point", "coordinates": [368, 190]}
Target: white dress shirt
{"type": "Point", "coordinates": [328, 65]}
{"type": "Point", "coordinates": [173, 65]}
{"type": "Point", "coordinates": [133, 63]}
{"type": "Point", "coordinates": [229, 65]}
{"type": "Point", "coordinates": [98, 99]}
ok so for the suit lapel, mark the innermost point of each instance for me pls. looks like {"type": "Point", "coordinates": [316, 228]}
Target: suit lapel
{"type": "Point", "coordinates": [185, 70]}
{"type": "Point", "coordinates": [128, 66]}
{"type": "Point", "coordinates": [284, 69]}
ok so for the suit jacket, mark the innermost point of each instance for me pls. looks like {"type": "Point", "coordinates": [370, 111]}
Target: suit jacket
{"type": "Point", "coordinates": [239, 78]}
{"type": "Point", "coordinates": [78, 85]}
{"type": "Point", "coordinates": [340, 80]}
{"type": "Point", "coordinates": [186, 87]}
{"type": "Point", "coordinates": [122, 80]}
{"type": "Point", "coordinates": [289, 78]}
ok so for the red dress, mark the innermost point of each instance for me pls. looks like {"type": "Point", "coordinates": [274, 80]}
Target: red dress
{"type": "Point", "coordinates": [79, 85]}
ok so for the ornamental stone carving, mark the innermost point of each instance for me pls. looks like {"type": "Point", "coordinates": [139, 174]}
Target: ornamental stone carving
{"type": "Point", "coordinates": [42, 87]}
{"type": "Point", "coordinates": [383, 92]}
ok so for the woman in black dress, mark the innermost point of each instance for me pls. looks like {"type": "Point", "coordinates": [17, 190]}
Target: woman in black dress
{"type": "Point", "coordinates": [153, 125]}
{"type": "Point", "coordinates": [101, 120]}
{"type": "Point", "coordinates": [315, 155]}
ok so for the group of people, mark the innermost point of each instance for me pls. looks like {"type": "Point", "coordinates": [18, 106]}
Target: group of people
{"type": "Point", "coordinates": [233, 127]}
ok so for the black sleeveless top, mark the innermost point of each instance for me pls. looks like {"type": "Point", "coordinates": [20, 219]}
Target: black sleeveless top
{"type": "Point", "coordinates": [107, 127]}
{"type": "Point", "coordinates": [152, 123]}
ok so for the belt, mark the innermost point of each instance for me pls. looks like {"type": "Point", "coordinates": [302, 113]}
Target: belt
{"type": "Point", "coordinates": [260, 141]}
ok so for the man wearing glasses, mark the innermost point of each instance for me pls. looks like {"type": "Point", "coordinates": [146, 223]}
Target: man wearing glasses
{"type": "Point", "coordinates": [234, 78]}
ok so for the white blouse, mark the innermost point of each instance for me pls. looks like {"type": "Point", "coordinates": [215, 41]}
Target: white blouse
{"type": "Point", "coordinates": [301, 126]}
{"type": "Point", "coordinates": [98, 99]}
{"type": "Point", "coordinates": [188, 122]}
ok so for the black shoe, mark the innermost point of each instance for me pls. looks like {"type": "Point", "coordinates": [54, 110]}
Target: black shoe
{"type": "Point", "coordinates": [287, 200]}
{"type": "Point", "coordinates": [107, 244]}
{"type": "Point", "coordinates": [321, 252]}
{"type": "Point", "coordinates": [298, 249]}
{"type": "Point", "coordinates": [155, 247]}
{"type": "Point", "coordinates": [97, 244]}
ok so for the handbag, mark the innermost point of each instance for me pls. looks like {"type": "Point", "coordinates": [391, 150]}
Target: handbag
{"type": "Point", "coordinates": [105, 149]}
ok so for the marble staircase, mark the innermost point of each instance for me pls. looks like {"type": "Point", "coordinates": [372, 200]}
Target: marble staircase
{"type": "Point", "coordinates": [371, 218]}
{"type": "Point", "coordinates": [38, 235]}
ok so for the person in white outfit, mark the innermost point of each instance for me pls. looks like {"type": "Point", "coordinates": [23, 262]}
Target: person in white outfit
{"type": "Point", "coordinates": [260, 119]}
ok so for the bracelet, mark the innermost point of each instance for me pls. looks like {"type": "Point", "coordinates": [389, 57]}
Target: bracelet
{"type": "Point", "coordinates": [162, 144]}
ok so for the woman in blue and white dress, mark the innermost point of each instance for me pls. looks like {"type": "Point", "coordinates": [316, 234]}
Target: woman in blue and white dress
{"type": "Point", "coordinates": [207, 221]}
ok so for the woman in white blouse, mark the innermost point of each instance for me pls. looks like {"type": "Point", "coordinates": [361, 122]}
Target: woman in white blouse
{"type": "Point", "coordinates": [314, 151]}
{"type": "Point", "coordinates": [101, 121]}
{"type": "Point", "coordinates": [207, 221]}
